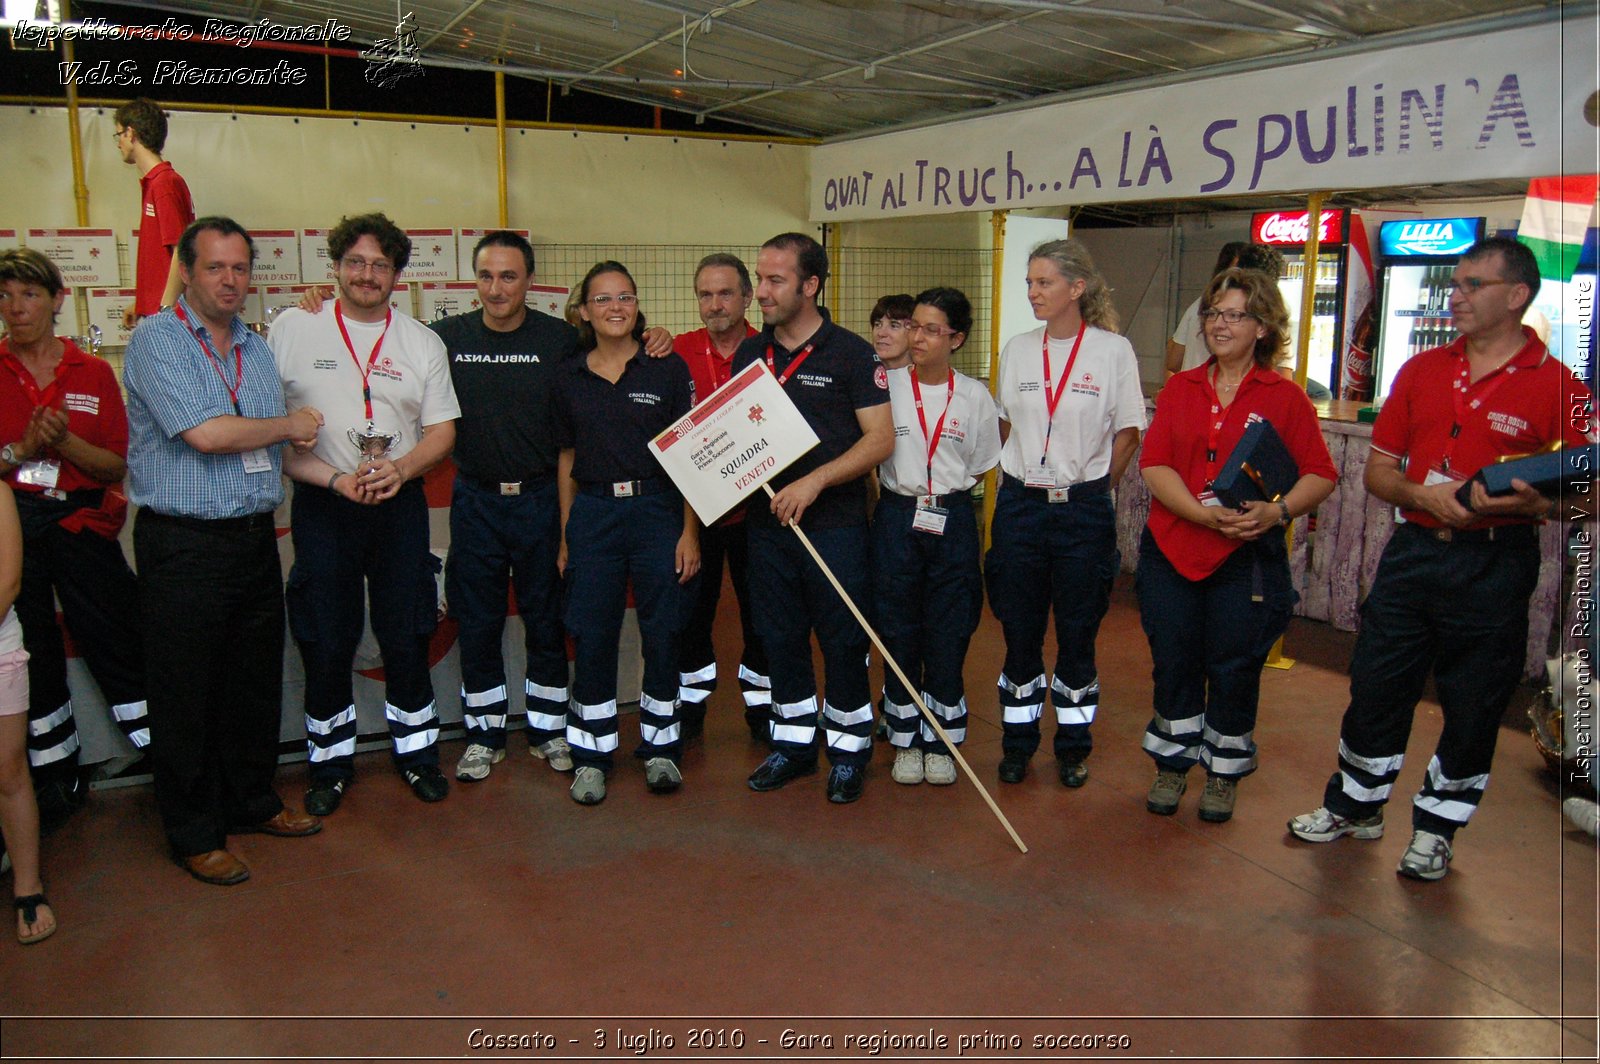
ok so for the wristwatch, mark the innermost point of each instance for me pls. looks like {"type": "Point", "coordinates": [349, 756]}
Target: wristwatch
{"type": "Point", "coordinates": [1284, 508]}
{"type": "Point", "coordinates": [8, 453]}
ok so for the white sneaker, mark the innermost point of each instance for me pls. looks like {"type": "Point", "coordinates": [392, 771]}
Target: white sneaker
{"type": "Point", "coordinates": [661, 775]}
{"type": "Point", "coordinates": [907, 766]}
{"type": "Point", "coordinates": [557, 752]}
{"type": "Point", "coordinates": [476, 762]}
{"type": "Point", "coordinates": [1583, 813]}
{"type": "Point", "coordinates": [589, 786]}
{"type": "Point", "coordinates": [939, 769]}
{"type": "Point", "coordinates": [1324, 825]}
{"type": "Point", "coordinates": [1428, 856]}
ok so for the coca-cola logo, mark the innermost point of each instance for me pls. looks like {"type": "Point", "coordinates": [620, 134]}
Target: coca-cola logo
{"type": "Point", "coordinates": [1280, 228]}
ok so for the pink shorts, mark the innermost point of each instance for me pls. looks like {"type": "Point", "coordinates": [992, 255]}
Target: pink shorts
{"type": "Point", "coordinates": [13, 683]}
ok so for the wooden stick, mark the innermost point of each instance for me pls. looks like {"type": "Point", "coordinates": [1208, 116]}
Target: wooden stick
{"type": "Point", "coordinates": [911, 688]}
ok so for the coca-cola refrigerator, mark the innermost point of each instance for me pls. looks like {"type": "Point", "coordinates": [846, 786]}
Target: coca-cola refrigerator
{"type": "Point", "coordinates": [1288, 231]}
{"type": "Point", "coordinates": [1415, 259]}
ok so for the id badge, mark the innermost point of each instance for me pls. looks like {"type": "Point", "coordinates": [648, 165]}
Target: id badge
{"type": "Point", "coordinates": [929, 517]}
{"type": "Point", "coordinates": [41, 473]}
{"type": "Point", "coordinates": [1440, 476]}
{"type": "Point", "coordinates": [256, 461]}
{"type": "Point", "coordinates": [1209, 498]}
{"type": "Point", "coordinates": [1039, 475]}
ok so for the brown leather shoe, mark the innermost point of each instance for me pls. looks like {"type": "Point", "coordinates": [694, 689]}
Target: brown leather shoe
{"type": "Point", "coordinates": [288, 824]}
{"type": "Point", "coordinates": [219, 868]}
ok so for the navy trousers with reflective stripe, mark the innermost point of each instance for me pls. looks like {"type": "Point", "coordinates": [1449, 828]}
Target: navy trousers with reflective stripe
{"type": "Point", "coordinates": [612, 544]}
{"type": "Point", "coordinates": [341, 548]}
{"type": "Point", "coordinates": [791, 598]}
{"type": "Point", "coordinates": [1046, 557]}
{"type": "Point", "coordinates": [1460, 611]}
{"type": "Point", "coordinates": [1209, 640]}
{"type": "Point", "coordinates": [927, 599]}
{"type": "Point", "coordinates": [697, 657]}
{"type": "Point", "coordinates": [500, 545]}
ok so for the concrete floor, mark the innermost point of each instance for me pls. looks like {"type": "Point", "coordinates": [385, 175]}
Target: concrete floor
{"type": "Point", "coordinates": [509, 911]}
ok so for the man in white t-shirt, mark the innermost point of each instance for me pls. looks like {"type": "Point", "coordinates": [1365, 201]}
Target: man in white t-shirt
{"type": "Point", "coordinates": [359, 518]}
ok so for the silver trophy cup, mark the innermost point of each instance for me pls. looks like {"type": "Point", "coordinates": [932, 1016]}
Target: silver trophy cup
{"type": "Point", "coordinates": [371, 444]}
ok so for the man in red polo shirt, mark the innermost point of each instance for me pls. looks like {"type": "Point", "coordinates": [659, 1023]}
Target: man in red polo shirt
{"type": "Point", "coordinates": [722, 288]}
{"type": "Point", "coordinates": [1451, 593]}
{"type": "Point", "coordinates": [165, 209]}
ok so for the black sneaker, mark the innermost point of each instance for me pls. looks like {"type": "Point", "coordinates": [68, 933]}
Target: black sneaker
{"type": "Point", "coordinates": [845, 783]}
{"type": "Point", "coordinates": [428, 783]}
{"type": "Point", "coordinates": [1013, 767]}
{"type": "Point", "coordinates": [779, 769]}
{"type": "Point", "coordinates": [324, 797]}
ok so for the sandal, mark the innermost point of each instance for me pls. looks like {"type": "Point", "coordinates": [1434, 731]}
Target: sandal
{"type": "Point", "coordinates": [28, 908]}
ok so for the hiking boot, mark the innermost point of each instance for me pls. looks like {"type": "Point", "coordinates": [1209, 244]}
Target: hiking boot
{"type": "Point", "coordinates": [1164, 793]}
{"type": "Point", "coordinates": [1216, 801]}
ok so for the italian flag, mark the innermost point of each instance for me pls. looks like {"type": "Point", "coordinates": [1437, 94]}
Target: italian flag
{"type": "Point", "coordinates": [1554, 220]}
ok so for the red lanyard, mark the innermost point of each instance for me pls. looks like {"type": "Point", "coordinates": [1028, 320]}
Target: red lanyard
{"type": "Point", "coordinates": [938, 430]}
{"type": "Point", "coordinates": [1464, 406]}
{"type": "Point", "coordinates": [1051, 401]}
{"type": "Point", "coordinates": [365, 371]}
{"type": "Point", "coordinates": [1218, 418]}
{"type": "Point", "coordinates": [216, 361]}
{"type": "Point", "coordinates": [783, 378]}
{"type": "Point", "coordinates": [24, 378]}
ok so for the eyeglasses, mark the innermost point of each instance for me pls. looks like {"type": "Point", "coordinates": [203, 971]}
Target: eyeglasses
{"type": "Point", "coordinates": [377, 267]}
{"type": "Point", "coordinates": [1471, 285]}
{"type": "Point", "coordinates": [1232, 317]}
{"type": "Point", "coordinates": [932, 332]}
{"type": "Point", "coordinates": [892, 324]}
{"type": "Point", "coordinates": [118, 134]}
{"type": "Point", "coordinates": [626, 299]}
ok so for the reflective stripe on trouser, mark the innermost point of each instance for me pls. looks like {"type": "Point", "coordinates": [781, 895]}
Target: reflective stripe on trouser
{"type": "Point", "coordinates": [790, 598]}
{"type": "Point", "coordinates": [721, 544]}
{"type": "Point", "coordinates": [134, 720]}
{"type": "Point", "coordinates": [1209, 640]}
{"type": "Point", "coordinates": [615, 544]}
{"type": "Point", "coordinates": [1460, 611]}
{"type": "Point", "coordinates": [52, 737]}
{"type": "Point", "coordinates": [504, 545]}
{"type": "Point", "coordinates": [1049, 559]}
{"type": "Point", "coordinates": [927, 600]}
{"type": "Point", "coordinates": [335, 562]}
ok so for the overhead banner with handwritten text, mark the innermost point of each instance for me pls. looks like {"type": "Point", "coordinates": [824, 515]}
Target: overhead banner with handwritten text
{"type": "Point", "coordinates": [1475, 108]}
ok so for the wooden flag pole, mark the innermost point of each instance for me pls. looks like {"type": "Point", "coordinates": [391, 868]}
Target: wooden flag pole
{"type": "Point", "coordinates": [909, 686]}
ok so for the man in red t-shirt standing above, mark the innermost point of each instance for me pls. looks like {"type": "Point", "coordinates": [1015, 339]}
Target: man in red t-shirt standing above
{"type": "Point", "coordinates": [722, 288]}
{"type": "Point", "coordinates": [165, 208]}
{"type": "Point", "coordinates": [1451, 592]}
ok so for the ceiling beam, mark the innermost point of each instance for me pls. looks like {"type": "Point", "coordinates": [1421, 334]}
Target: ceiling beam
{"type": "Point", "coordinates": [1084, 9]}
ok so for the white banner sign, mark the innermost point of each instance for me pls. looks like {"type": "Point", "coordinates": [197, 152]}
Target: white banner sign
{"type": "Point", "coordinates": [440, 300]}
{"type": "Point", "coordinates": [276, 297]}
{"type": "Point", "coordinates": [550, 298]}
{"type": "Point", "coordinates": [84, 256]}
{"type": "Point", "coordinates": [9, 240]}
{"type": "Point", "coordinates": [315, 267]}
{"type": "Point", "coordinates": [1481, 107]}
{"type": "Point", "coordinates": [105, 310]}
{"type": "Point", "coordinates": [740, 437]}
{"type": "Point", "coordinates": [433, 255]}
{"type": "Point", "coordinates": [277, 257]}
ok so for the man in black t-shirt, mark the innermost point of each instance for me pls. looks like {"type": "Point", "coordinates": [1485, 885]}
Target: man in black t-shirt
{"type": "Point", "coordinates": [505, 517]}
{"type": "Point", "coordinates": [843, 392]}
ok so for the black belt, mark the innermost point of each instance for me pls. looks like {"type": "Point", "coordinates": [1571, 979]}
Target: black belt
{"type": "Point", "coordinates": [1087, 489]}
{"type": "Point", "coordinates": [895, 498]}
{"type": "Point", "coordinates": [248, 523]}
{"type": "Point", "coordinates": [623, 489]}
{"type": "Point", "coordinates": [508, 487]}
{"type": "Point", "coordinates": [1518, 533]}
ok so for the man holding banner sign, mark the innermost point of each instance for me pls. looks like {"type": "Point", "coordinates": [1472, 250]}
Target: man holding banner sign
{"type": "Point", "coordinates": [842, 396]}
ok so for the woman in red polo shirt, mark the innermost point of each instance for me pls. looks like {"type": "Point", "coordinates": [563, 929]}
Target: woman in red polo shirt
{"type": "Point", "coordinates": [1214, 585]}
{"type": "Point", "coordinates": [63, 445]}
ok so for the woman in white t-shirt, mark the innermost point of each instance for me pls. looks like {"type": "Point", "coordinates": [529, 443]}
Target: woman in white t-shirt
{"type": "Point", "coordinates": [927, 582]}
{"type": "Point", "coordinates": [1071, 411]}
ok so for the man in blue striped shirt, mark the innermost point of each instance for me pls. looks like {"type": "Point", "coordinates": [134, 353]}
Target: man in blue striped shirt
{"type": "Point", "coordinates": [206, 422]}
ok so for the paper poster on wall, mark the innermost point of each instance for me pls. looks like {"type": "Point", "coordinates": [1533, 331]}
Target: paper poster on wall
{"type": "Point", "coordinates": [440, 299]}
{"type": "Point", "coordinates": [84, 256]}
{"type": "Point", "coordinates": [433, 255]}
{"type": "Point", "coordinates": [742, 435]}
{"type": "Point", "coordinates": [469, 239]}
{"type": "Point", "coordinates": [105, 310]}
{"type": "Point", "coordinates": [550, 298]}
{"type": "Point", "coordinates": [277, 257]}
{"type": "Point", "coordinates": [315, 268]}
{"type": "Point", "coordinates": [279, 297]}
{"type": "Point", "coordinates": [9, 239]}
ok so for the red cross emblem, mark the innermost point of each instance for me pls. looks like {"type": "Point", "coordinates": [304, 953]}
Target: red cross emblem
{"type": "Point", "coordinates": [756, 415]}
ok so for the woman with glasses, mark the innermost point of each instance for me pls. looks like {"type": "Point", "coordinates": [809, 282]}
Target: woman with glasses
{"type": "Point", "coordinates": [622, 523]}
{"type": "Point", "coordinates": [1214, 586]}
{"type": "Point", "coordinates": [928, 588]}
{"type": "Point", "coordinates": [1071, 411]}
{"type": "Point", "coordinates": [890, 338]}
{"type": "Point", "coordinates": [64, 432]}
